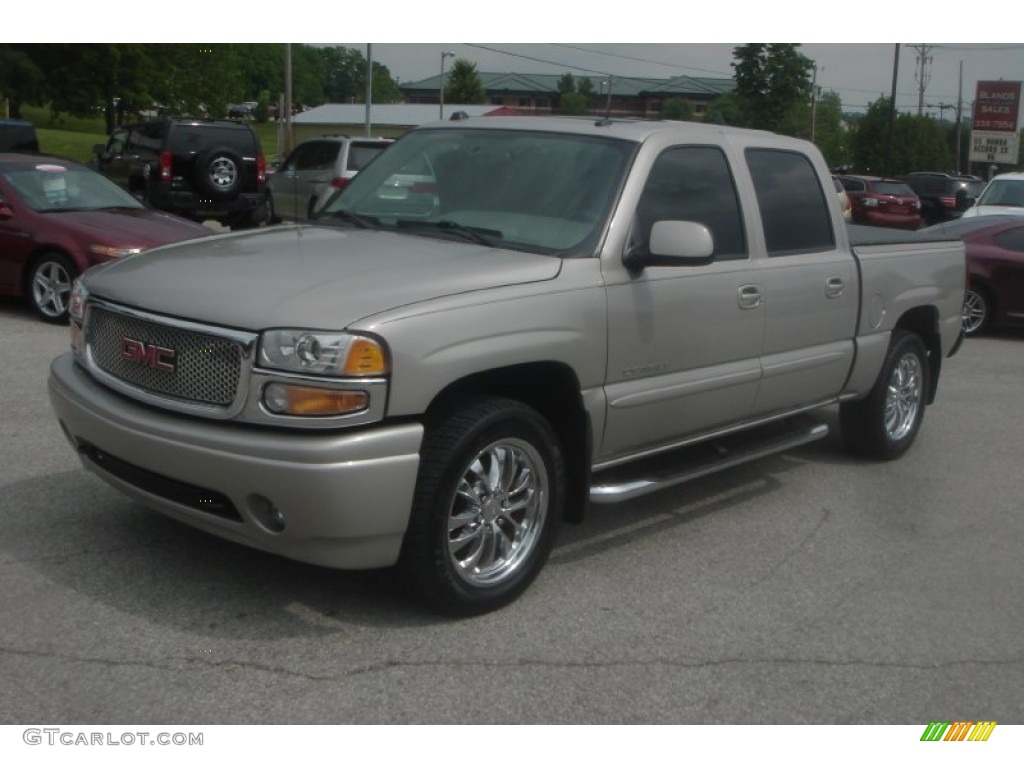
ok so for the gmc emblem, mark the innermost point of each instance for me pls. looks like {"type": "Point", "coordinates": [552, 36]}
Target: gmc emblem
{"type": "Point", "coordinates": [150, 355]}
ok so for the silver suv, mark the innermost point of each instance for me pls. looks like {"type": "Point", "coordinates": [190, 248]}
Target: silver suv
{"type": "Point", "coordinates": [315, 169]}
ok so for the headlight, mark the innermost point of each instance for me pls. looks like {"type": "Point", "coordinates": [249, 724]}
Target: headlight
{"type": "Point", "coordinates": [323, 354]}
{"type": "Point", "coordinates": [110, 252]}
{"type": "Point", "coordinates": [76, 306]}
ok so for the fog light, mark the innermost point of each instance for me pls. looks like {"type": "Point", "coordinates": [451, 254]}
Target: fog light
{"type": "Point", "coordinates": [293, 400]}
{"type": "Point", "coordinates": [266, 514]}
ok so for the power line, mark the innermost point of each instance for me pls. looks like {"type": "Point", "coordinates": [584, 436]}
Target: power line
{"type": "Point", "coordinates": [642, 60]}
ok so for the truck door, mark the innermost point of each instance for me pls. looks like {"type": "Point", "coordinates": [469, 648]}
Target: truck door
{"type": "Point", "coordinates": [810, 285]}
{"type": "Point", "coordinates": [684, 341]}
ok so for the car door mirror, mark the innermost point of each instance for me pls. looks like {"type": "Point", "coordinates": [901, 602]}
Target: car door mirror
{"type": "Point", "coordinates": [674, 244]}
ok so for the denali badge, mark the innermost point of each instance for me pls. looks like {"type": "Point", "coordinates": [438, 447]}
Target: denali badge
{"type": "Point", "coordinates": [152, 355]}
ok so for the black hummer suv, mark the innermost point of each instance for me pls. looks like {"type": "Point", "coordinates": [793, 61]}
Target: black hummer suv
{"type": "Point", "coordinates": [943, 196]}
{"type": "Point", "coordinates": [196, 168]}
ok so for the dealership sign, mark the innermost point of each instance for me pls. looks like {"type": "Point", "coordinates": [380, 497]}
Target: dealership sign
{"type": "Point", "coordinates": [994, 137]}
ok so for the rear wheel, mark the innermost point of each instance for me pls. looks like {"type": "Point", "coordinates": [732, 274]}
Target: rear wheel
{"type": "Point", "coordinates": [487, 507]}
{"type": "Point", "coordinates": [884, 424]}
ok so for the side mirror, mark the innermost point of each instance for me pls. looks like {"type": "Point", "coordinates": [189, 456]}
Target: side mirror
{"type": "Point", "coordinates": [5, 211]}
{"type": "Point", "coordinates": [674, 244]}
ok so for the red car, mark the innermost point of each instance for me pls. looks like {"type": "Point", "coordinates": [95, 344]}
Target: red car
{"type": "Point", "coordinates": [882, 202]}
{"type": "Point", "coordinates": [995, 268]}
{"type": "Point", "coordinates": [58, 218]}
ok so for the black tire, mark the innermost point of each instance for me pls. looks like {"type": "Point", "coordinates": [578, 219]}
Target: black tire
{"type": "Point", "coordinates": [977, 310]}
{"type": "Point", "coordinates": [883, 425]}
{"type": "Point", "coordinates": [487, 506]}
{"type": "Point", "coordinates": [219, 172]}
{"type": "Point", "coordinates": [311, 209]}
{"type": "Point", "coordinates": [48, 286]}
{"type": "Point", "coordinates": [272, 217]}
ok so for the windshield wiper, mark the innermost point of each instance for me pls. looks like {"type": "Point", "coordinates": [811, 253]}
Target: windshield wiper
{"type": "Point", "coordinates": [363, 222]}
{"type": "Point", "coordinates": [478, 235]}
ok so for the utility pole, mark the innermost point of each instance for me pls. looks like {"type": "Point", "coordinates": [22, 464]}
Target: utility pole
{"type": "Point", "coordinates": [892, 110]}
{"type": "Point", "coordinates": [924, 62]}
{"type": "Point", "coordinates": [369, 84]}
{"type": "Point", "coordinates": [959, 117]}
{"type": "Point", "coordinates": [284, 111]}
{"type": "Point", "coordinates": [814, 100]}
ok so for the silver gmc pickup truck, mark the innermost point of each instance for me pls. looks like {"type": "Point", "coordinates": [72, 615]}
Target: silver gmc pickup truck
{"type": "Point", "coordinates": [496, 323]}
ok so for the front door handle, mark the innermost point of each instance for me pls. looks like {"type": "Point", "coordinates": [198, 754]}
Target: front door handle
{"type": "Point", "coordinates": [749, 296]}
{"type": "Point", "coordinates": [834, 287]}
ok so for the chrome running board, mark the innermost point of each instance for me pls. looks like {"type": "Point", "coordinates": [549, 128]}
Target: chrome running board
{"type": "Point", "coordinates": [639, 478]}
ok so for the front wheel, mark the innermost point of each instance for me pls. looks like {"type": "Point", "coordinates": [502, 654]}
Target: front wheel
{"type": "Point", "coordinates": [884, 424]}
{"type": "Point", "coordinates": [487, 506]}
{"type": "Point", "coordinates": [977, 311]}
{"type": "Point", "coordinates": [49, 287]}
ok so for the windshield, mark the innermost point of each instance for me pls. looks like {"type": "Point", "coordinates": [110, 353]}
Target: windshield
{"type": "Point", "coordinates": [893, 188]}
{"type": "Point", "coordinates": [525, 190]}
{"type": "Point", "coordinates": [53, 186]}
{"type": "Point", "coordinates": [1003, 192]}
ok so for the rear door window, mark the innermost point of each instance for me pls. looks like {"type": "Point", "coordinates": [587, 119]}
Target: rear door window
{"type": "Point", "coordinates": [794, 212]}
{"type": "Point", "coordinates": [193, 139]}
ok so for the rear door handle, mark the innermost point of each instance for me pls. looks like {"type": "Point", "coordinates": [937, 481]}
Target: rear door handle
{"type": "Point", "coordinates": [834, 287]}
{"type": "Point", "coordinates": [749, 296]}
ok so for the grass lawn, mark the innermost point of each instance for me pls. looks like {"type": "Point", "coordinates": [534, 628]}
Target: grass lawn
{"type": "Point", "coordinates": [73, 137]}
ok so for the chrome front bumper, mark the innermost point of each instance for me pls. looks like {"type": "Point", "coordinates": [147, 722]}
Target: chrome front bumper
{"type": "Point", "coordinates": [344, 496]}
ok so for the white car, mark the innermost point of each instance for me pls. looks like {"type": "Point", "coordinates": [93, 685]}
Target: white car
{"type": "Point", "coordinates": [315, 169]}
{"type": "Point", "coordinates": [1003, 194]}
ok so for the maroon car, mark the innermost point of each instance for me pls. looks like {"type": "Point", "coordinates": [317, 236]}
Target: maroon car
{"type": "Point", "coordinates": [995, 268]}
{"type": "Point", "coordinates": [882, 202]}
{"type": "Point", "coordinates": [58, 218]}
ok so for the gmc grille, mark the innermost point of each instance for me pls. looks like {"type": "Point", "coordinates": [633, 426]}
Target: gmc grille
{"type": "Point", "coordinates": [206, 368]}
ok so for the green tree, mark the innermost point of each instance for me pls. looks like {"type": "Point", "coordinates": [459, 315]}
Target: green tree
{"type": "Point", "coordinates": [21, 79]}
{"type": "Point", "coordinates": [770, 79]}
{"type": "Point", "coordinates": [585, 87]}
{"type": "Point", "coordinates": [677, 109]}
{"type": "Point", "coordinates": [830, 133]}
{"type": "Point", "coordinates": [915, 142]}
{"type": "Point", "coordinates": [726, 110]}
{"type": "Point", "coordinates": [464, 85]}
{"type": "Point", "coordinates": [566, 83]}
{"type": "Point", "coordinates": [573, 104]}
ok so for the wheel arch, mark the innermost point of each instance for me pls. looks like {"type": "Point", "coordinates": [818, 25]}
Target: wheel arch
{"type": "Point", "coordinates": [924, 322]}
{"type": "Point", "coordinates": [553, 390]}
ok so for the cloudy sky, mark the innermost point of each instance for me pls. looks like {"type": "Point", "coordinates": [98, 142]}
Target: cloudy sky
{"type": "Point", "coordinates": [859, 72]}
{"type": "Point", "coordinates": [854, 47]}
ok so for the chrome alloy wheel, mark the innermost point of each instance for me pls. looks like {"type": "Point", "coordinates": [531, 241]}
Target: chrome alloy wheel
{"type": "Point", "coordinates": [223, 173]}
{"type": "Point", "coordinates": [903, 397]}
{"type": "Point", "coordinates": [975, 311]}
{"type": "Point", "coordinates": [51, 289]}
{"type": "Point", "coordinates": [497, 513]}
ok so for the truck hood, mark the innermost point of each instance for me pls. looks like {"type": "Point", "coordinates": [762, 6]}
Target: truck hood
{"type": "Point", "coordinates": [307, 277]}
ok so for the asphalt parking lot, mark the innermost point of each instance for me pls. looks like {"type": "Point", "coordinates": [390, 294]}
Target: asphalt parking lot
{"type": "Point", "coordinates": [809, 587]}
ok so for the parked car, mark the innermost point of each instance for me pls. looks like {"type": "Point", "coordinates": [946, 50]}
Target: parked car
{"type": "Point", "coordinates": [58, 218]}
{"type": "Point", "coordinates": [18, 136]}
{"type": "Point", "coordinates": [844, 200]}
{"type": "Point", "coordinates": [995, 268]}
{"type": "Point", "coordinates": [943, 196]}
{"type": "Point", "coordinates": [196, 168]}
{"type": "Point", "coordinates": [881, 202]}
{"type": "Point", "coordinates": [1003, 194]}
{"type": "Point", "coordinates": [315, 169]}
{"type": "Point", "coordinates": [244, 111]}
